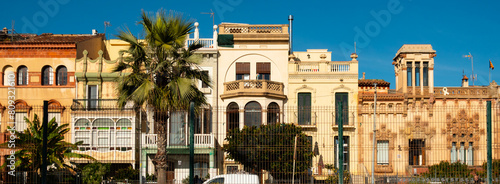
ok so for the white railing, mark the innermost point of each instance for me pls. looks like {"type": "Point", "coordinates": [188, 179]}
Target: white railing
{"type": "Point", "coordinates": [339, 67]}
{"type": "Point", "coordinates": [200, 140]}
{"type": "Point", "coordinates": [204, 140]}
{"type": "Point", "coordinates": [206, 42]}
{"type": "Point", "coordinates": [308, 68]}
{"type": "Point", "coordinates": [149, 140]}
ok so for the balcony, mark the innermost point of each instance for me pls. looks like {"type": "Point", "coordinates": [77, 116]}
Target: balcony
{"type": "Point", "coordinates": [97, 104]}
{"type": "Point", "coordinates": [206, 42]}
{"type": "Point", "coordinates": [330, 67]}
{"type": "Point", "coordinates": [253, 29]}
{"type": "Point", "coordinates": [260, 88]}
{"type": "Point", "coordinates": [200, 141]}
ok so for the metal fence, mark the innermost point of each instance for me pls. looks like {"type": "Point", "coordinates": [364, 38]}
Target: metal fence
{"type": "Point", "coordinates": [413, 144]}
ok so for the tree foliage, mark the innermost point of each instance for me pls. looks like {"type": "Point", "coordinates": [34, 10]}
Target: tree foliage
{"type": "Point", "coordinates": [95, 172]}
{"type": "Point", "coordinates": [162, 71]}
{"type": "Point", "coordinates": [270, 148]}
{"type": "Point", "coordinates": [59, 152]}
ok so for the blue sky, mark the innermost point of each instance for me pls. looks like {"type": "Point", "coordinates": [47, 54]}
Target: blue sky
{"type": "Point", "coordinates": [454, 28]}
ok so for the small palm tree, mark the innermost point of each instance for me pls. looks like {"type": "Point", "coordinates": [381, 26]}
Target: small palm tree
{"type": "Point", "coordinates": [161, 75]}
{"type": "Point", "coordinates": [59, 152]}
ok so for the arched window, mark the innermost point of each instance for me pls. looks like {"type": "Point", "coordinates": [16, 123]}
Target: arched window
{"type": "Point", "coordinates": [123, 134]}
{"type": "Point", "coordinates": [103, 133]}
{"type": "Point", "coordinates": [253, 114]}
{"type": "Point", "coordinates": [82, 133]}
{"type": "Point", "coordinates": [8, 75]}
{"type": "Point", "coordinates": [273, 113]}
{"type": "Point", "coordinates": [61, 76]}
{"type": "Point", "coordinates": [47, 76]}
{"type": "Point", "coordinates": [232, 116]}
{"type": "Point", "coordinates": [22, 75]}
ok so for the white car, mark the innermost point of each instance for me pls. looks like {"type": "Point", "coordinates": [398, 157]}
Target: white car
{"type": "Point", "coordinates": [234, 179]}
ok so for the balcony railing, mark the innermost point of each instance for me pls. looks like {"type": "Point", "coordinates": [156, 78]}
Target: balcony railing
{"type": "Point", "coordinates": [324, 67]}
{"type": "Point", "coordinates": [461, 92]}
{"type": "Point", "coordinates": [200, 140]}
{"type": "Point", "coordinates": [252, 88]}
{"type": "Point", "coordinates": [250, 29]}
{"type": "Point", "coordinates": [97, 104]}
{"type": "Point", "coordinates": [206, 42]}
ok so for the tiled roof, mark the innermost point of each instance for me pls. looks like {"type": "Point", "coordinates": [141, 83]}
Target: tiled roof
{"type": "Point", "coordinates": [56, 38]}
{"type": "Point", "coordinates": [370, 82]}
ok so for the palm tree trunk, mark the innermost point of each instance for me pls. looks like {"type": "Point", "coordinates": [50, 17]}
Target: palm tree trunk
{"type": "Point", "coordinates": [161, 154]}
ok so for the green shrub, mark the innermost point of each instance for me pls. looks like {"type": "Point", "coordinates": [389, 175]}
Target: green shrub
{"type": "Point", "coordinates": [95, 172]}
{"type": "Point", "coordinates": [334, 178]}
{"type": "Point", "coordinates": [446, 170]}
{"type": "Point", "coordinates": [127, 173]}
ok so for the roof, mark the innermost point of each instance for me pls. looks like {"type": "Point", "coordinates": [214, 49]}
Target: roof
{"type": "Point", "coordinates": [55, 39]}
{"type": "Point", "coordinates": [370, 82]}
{"type": "Point", "coordinates": [465, 78]}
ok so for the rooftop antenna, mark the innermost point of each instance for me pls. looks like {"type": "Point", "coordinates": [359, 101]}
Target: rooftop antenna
{"type": "Point", "coordinates": [473, 77]}
{"type": "Point", "coordinates": [354, 47]}
{"type": "Point", "coordinates": [12, 31]}
{"type": "Point", "coordinates": [211, 15]}
{"type": "Point", "coordinates": [106, 24]}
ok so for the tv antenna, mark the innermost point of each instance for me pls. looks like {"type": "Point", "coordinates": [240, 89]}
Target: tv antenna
{"type": "Point", "coordinates": [211, 15]}
{"type": "Point", "coordinates": [106, 24]}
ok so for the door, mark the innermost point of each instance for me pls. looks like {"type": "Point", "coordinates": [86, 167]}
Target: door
{"type": "Point", "coordinates": [417, 152]}
{"type": "Point", "coordinates": [342, 98]}
{"type": "Point", "coordinates": [304, 114]}
{"type": "Point", "coordinates": [92, 97]}
{"type": "Point", "coordinates": [346, 152]}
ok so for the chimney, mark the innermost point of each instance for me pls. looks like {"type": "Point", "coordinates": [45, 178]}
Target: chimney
{"type": "Point", "coordinates": [94, 32]}
{"type": "Point", "coordinates": [290, 19]}
{"type": "Point", "coordinates": [465, 81]}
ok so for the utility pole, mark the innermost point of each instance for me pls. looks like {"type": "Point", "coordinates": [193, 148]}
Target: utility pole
{"type": "Point", "coordinates": [340, 119]}
{"type": "Point", "coordinates": [374, 132]}
{"type": "Point", "coordinates": [45, 121]}
{"type": "Point", "coordinates": [191, 143]}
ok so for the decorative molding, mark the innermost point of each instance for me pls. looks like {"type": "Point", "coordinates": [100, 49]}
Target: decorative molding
{"type": "Point", "coordinates": [322, 76]}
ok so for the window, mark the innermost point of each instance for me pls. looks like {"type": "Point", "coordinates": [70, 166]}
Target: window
{"type": "Point", "coordinates": [56, 115]}
{"type": "Point", "coordinates": [231, 169]}
{"type": "Point", "coordinates": [417, 152]}
{"type": "Point", "coordinates": [217, 181]}
{"type": "Point", "coordinates": [62, 76]}
{"type": "Point", "coordinates": [82, 133]}
{"type": "Point", "coordinates": [264, 71]}
{"type": "Point", "coordinates": [233, 116]}
{"type": "Point", "coordinates": [253, 114]}
{"type": "Point", "coordinates": [383, 152]}
{"type": "Point", "coordinates": [204, 84]}
{"type": "Point", "coordinates": [346, 152]}
{"type": "Point", "coordinates": [343, 98]}
{"type": "Point", "coordinates": [409, 74]}
{"type": "Point", "coordinates": [92, 97]}
{"type": "Point", "coordinates": [470, 155]}
{"type": "Point", "coordinates": [22, 75]}
{"type": "Point", "coordinates": [177, 128]}
{"type": "Point", "coordinates": [123, 135]}
{"type": "Point", "coordinates": [426, 74]}
{"type": "Point", "coordinates": [8, 70]}
{"type": "Point", "coordinates": [417, 74]}
{"type": "Point", "coordinates": [304, 108]}
{"type": "Point", "coordinates": [461, 153]}
{"type": "Point", "coordinates": [453, 152]}
{"type": "Point", "coordinates": [103, 134]}
{"type": "Point", "coordinates": [21, 124]}
{"type": "Point", "coordinates": [242, 71]}
{"type": "Point", "coordinates": [47, 76]}
{"type": "Point", "coordinates": [273, 113]}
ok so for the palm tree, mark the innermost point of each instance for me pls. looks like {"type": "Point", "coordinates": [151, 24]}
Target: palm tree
{"type": "Point", "coordinates": [161, 75]}
{"type": "Point", "coordinates": [59, 152]}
